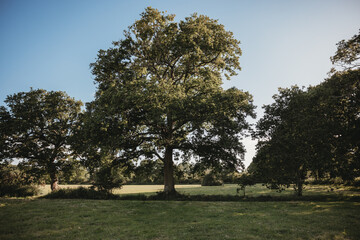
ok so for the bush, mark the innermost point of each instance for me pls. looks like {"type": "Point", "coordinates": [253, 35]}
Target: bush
{"type": "Point", "coordinates": [16, 183]}
{"type": "Point", "coordinates": [211, 180]}
{"type": "Point", "coordinates": [80, 193]}
{"type": "Point", "coordinates": [108, 178]}
{"type": "Point", "coordinates": [18, 191]}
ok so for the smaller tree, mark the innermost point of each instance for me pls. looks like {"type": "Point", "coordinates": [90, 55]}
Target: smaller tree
{"type": "Point", "coordinates": [108, 177]}
{"type": "Point", "coordinates": [339, 101]}
{"type": "Point", "coordinates": [36, 128]}
{"type": "Point", "coordinates": [245, 180]}
{"type": "Point", "coordinates": [313, 131]}
{"type": "Point", "coordinates": [285, 151]}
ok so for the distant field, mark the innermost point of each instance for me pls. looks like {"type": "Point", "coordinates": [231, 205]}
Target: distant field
{"type": "Point", "coordinates": [126, 189]}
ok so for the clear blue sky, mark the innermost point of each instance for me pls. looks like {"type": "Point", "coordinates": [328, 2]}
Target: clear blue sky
{"type": "Point", "coordinates": [49, 44]}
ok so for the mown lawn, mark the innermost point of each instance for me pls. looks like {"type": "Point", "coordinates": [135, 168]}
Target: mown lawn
{"type": "Point", "coordinates": [260, 190]}
{"type": "Point", "coordinates": [227, 189]}
{"type": "Point", "coordinates": [115, 219]}
{"type": "Point", "coordinates": [36, 218]}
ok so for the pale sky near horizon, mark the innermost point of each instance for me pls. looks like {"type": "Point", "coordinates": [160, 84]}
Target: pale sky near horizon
{"type": "Point", "coordinates": [49, 44]}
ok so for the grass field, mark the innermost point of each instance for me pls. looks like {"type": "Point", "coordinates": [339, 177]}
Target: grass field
{"type": "Point", "coordinates": [227, 189]}
{"type": "Point", "coordinates": [36, 218]}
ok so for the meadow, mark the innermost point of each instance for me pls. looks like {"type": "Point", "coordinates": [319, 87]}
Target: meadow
{"type": "Point", "coordinates": [38, 218]}
{"type": "Point", "coordinates": [255, 191]}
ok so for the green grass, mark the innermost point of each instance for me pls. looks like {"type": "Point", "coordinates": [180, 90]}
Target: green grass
{"type": "Point", "coordinates": [259, 190]}
{"type": "Point", "coordinates": [227, 189]}
{"type": "Point", "coordinates": [113, 219]}
{"type": "Point", "coordinates": [37, 218]}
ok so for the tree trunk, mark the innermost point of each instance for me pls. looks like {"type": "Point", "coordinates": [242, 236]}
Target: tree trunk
{"type": "Point", "coordinates": [300, 175]}
{"type": "Point", "coordinates": [299, 188]}
{"type": "Point", "coordinates": [54, 181]}
{"type": "Point", "coordinates": [169, 185]}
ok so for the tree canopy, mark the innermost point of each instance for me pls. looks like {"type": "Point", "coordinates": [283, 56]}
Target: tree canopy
{"type": "Point", "coordinates": [313, 131]}
{"type": "Point", "coordinates": [284, 148]}
{"type": "Point", "coordinates": [348, 53]}
{"type": "Point", "coordinates": [160, 96]}
{"type": "Point", "coordinates": [36, 128]}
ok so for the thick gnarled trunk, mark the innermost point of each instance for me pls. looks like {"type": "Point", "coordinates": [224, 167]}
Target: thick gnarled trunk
{"type": "Point", "coordinates": [169, 184]}
{"type": "Point", "coordinates": [54, 181]}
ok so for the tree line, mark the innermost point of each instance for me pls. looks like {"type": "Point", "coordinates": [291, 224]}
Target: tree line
{"type": "Point", "coordinates": [160, 100]}
{"type": "Point", "coordinates": [312, 132]}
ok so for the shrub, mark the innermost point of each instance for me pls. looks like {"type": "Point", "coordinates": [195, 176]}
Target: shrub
{"type": "Point", "coordinates": [16, 183]}
{"type": "Point", "coordinates": [211, 180]}
{"type": "Point", "coordinates": [18, 191]}
{"type": "Point", "coordinates": [80, 193]}
{"type": "Point", "coordinates": [108, 177]}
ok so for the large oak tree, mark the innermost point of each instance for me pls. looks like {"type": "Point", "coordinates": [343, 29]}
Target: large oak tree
{"type": "Point", "coordinates": [159, 95]}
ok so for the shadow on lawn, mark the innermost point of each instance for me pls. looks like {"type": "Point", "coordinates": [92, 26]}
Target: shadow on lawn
{"type": "Point", "coordinates": [85, 193]}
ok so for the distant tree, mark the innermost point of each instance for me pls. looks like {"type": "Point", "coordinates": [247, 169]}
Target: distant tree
{"type": "Point", "coordinates": [36, 127]}
{"type": "Point", "coordinates": [185, 173]}
{"type": "Point", "coordinates": [159, 94]}
{"type": "Point", "coordinates": [74, 173]}
{"type": "Point", "coordinates": [230, 176]}
{"type": "Point", "coordinates": [211, 179]}
{"type": "Point", "coordinates": [149, 171]}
